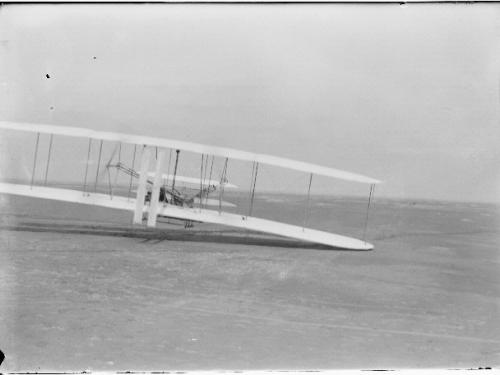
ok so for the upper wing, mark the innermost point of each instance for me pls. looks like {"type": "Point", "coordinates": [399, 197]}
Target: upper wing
{"type": "Point", "coordinates": [193, 214]}
{"type": "Point", "coordinates": [188, 146]}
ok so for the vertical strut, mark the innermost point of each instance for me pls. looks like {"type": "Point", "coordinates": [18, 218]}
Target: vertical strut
{"type": "Point", "coordinates": [48, 159]}
{"type": "Point", "coordinates": [205, 168]}
{"type": "Point", "coordinates": [34, 160]}
{"type": "Point", "coordinates": [98, 165]}
{"type": "Point", "coordinates": [306, 209]}
{"type": "Point", "coordinates": [201, 180]}
{"type": "Point", "coordinates": [372, 190]}
{"type": "Point", "coordinates": [119, 161]}
{"type": "Point", "coordinates": [251, 181]}
{"type": "Point", "coordinates": [221, 184]}
{"type": "Point", "coordinates": [165, 183]}
{"type": "Point", "coordinates": [109, 183]}
{"type": "Point", "coordinates": [155, 193]}
{"type": "Point", "coordinates": [87, 167]}
{"type": "Point", "coordinates": [253, 188]}
{"type": "Point", "coordinates": [210, 177]}
{"type": "Point", "coordinates": [141, 188]}
{"type": "Point", "coordinates": [131, 175]}
{"type": "Point", "coordinates": [175, 169]}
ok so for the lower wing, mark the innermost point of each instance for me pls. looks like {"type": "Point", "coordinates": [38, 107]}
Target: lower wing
{"type": "Point", "coordinates": [190, 214]}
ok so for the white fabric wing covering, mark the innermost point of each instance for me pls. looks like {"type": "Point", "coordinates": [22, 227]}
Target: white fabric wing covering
{"type": "Point", "coordinates": [192, 214]}
{"type": "Point", "coordinates": [188, 146]}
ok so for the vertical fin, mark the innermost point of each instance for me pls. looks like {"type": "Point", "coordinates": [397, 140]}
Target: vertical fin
{"type": "Point", "coordinates": [141, 189]}
{"type": "Point", "coordinates": [155, 195]}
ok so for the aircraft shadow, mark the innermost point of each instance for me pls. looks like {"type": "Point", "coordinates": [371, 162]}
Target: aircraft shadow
{"type": "Point", "coordinates": [157, 235]}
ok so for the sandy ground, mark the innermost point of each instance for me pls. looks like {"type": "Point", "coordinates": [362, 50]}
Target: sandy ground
{"type": "Point", "coordinates": [79, 293]}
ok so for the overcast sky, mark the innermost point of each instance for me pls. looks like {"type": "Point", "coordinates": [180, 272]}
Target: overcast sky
{"type": "Point", "coordinates": [405, 94]}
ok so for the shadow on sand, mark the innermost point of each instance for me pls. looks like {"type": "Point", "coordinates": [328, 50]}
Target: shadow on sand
{"type": "Point", "coordinates": [155, 235]}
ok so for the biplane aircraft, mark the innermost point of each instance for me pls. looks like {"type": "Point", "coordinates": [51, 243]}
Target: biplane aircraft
{"type": "Point", "coordinates": [158, 194]}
